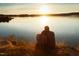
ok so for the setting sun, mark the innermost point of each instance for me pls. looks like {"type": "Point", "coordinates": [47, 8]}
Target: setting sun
{"type": "Point", "coordinates": [44, 9]}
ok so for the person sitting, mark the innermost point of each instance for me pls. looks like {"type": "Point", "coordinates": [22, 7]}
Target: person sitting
{"type": "Point", "coordinates": [46, 40]}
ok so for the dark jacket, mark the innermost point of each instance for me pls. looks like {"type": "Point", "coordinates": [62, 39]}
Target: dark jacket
{"type": "Point", "coordinates": [46, 40]}
{"type": "Point", "coordinates": [50, 39]}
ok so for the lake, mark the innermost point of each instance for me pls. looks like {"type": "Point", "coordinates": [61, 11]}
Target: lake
{"type": "Point", "coordinates": [66, 28]}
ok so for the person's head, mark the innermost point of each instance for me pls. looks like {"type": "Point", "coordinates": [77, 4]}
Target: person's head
{"type": "Point", "coordinates": [46, 28]}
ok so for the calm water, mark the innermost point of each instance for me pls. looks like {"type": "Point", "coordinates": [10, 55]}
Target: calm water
{"type": "Point", "coordinates": [65, 28]}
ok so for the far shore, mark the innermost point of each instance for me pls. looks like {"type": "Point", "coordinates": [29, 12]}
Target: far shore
{"type": "Point", "coordinates": [37, 15]}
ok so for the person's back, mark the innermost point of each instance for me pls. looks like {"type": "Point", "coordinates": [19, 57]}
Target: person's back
{"type": "Point", "coordinates": [50, 38]}
{"type": "Point", "coordinates": [46, 40]}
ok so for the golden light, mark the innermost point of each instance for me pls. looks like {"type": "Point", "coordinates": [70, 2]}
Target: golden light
{"type": "Point", "coordinates": [44, 20]}
{"type": "Point", "coordinates": [44, 9]}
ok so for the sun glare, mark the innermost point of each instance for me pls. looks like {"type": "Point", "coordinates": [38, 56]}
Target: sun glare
{"type": "Point", "coordinates": [44, 21]}
{"type": "Point", "coordinates": [44, 9]}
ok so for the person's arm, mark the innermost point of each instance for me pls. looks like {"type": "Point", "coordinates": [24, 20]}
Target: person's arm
{"type": "Point", "coordinates": [53, 35]}
{"type": "Point", "coordinates": [37, 37]}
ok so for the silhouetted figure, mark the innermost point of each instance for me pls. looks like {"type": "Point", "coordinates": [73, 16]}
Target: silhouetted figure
{"type": "Point", "coordinates": [46, 40]}
{"type": "Point", "coordinates": [49, 38]}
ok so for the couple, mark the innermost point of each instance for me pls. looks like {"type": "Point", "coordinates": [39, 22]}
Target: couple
{"type": "Point", "coordinates": [46, 40]}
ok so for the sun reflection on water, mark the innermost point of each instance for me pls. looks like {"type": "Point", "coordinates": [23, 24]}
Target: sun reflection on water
{"type": "Point", "coordinates": [44, 20]}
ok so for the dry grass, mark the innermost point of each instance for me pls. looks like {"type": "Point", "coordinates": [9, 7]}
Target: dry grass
{"type": "Point", "coordinates": [24, 48]}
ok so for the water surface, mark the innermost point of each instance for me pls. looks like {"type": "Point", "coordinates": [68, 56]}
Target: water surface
{"type": "Point", "coordinates": [65, 28]}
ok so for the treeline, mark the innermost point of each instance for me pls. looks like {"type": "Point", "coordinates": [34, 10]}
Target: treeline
{"type": "Point", "coordinates": [37, 15]}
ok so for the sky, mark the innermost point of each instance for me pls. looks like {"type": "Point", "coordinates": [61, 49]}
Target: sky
{"type": "Point", "coordinates": [37, 8]}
